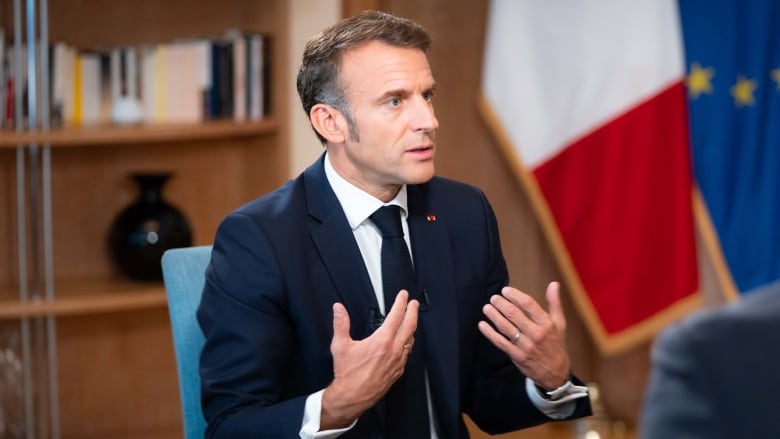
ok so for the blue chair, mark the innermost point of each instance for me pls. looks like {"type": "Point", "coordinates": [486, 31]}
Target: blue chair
{"type": "Point", "coordinates": [183, 274]}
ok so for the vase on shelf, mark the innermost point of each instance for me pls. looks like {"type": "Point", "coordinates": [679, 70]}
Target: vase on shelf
{"type": "Point", "coordinates": [147, 228]}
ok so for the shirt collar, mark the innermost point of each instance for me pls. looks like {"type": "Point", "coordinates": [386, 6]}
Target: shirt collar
{"type": "Point", "coordinates": [358, 205]}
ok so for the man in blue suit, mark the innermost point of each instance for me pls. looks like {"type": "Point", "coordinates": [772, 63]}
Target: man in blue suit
{"type": "Point", "coordinates": [300, 341]}
{"type": "Point", "coordinates": [714, 375]}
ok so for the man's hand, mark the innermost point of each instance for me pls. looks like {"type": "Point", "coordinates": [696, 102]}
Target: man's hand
{"type": "Point", "coordinates": [365, 369]}
{"type": "Point", "coordinates": [534, 340]}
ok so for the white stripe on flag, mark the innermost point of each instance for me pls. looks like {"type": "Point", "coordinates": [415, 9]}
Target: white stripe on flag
{"type": "Point", "coordinates": [545, 64]}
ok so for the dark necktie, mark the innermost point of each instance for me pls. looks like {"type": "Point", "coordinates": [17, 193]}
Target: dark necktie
{"type": "Point", "coordinates": [406, 402]}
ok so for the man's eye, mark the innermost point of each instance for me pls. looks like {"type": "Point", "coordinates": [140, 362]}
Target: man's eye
{"type": "Point", "coordinates": [394, 102]}
{"type": "Point", "coordinates": [428, 96]}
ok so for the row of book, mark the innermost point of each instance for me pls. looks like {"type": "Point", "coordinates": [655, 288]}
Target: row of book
{"type": "Point", "coordinates": [184, 81]}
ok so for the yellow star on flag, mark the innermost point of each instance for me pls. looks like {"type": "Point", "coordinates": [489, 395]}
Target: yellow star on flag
{"type": "Point", "coordinates": [699, 80]}
{"type": "Point", "coordinates": [743, 91]}
{"type": "Point", "coordinates": [776, 77]}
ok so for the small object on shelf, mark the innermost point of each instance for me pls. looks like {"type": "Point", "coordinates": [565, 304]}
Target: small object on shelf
{"type": "Point", "coordinates": [126, 110]}
{"type": "Point", "coordinates": [11, 378]}
{"type": "Point", "coordinates": [145, 229]}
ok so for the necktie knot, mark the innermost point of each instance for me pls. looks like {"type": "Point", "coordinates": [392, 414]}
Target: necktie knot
{"type": "Point", "coordinates": [388, 220]}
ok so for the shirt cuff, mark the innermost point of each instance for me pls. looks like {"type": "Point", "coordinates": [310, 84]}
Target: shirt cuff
{"type": "Point", "coordinates": [311, 420]}
{"type": "Point", "coordinates": [560, 403]}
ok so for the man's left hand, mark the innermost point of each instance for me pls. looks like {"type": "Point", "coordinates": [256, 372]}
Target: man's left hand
{"type": "Point", "coordinates": [534, 339]}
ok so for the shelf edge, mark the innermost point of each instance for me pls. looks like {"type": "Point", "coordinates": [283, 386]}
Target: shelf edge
{"type": "Point", "coordinates": [138, 134]}
{"type": "Point", "coordinates": [88, 304]}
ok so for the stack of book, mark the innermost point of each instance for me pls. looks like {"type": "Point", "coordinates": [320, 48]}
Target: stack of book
{"type": "Point", "coordinates": [184, 81]}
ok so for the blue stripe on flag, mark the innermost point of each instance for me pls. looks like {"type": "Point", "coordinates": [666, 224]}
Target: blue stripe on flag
{"type": "Point", "coordinates": [733, 61]}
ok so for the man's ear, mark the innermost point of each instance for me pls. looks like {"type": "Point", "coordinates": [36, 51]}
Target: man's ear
{"type": "Point", "coordinates": [329, 123]}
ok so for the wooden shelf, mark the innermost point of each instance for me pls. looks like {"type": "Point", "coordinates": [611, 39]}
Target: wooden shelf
{"type": "Point", "coordinates": [113, 335]}
{"type": "Point", "coordinates": [96, 135]}
{"type": "Point", "coordinates": [89, 297]}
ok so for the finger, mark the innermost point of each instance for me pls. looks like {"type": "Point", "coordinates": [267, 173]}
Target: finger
{"type": "Point", "coordinates": [407, 347]}
{"type": "Point", "coordinates": [501, 320]}
{"type": "Point", "coordinates": [395, 316]}
{"type": "Point", "coordinates": [517, 314]}
{"type": "Point", "coordinates": [531, 309]}
{"type": "Point", "coordinates": [498, 340]}
{"type": "Point", "coordinates": [340, 324]}
{"type": "Point", "coordinates": [527, 304]}
{"type": "Point", "coordinates": [556, 308]}
{"type": "Point", "coordinates": [409, 324]}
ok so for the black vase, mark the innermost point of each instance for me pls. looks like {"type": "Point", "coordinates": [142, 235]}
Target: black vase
{"type": "Point", "coordinates": [146, 229]}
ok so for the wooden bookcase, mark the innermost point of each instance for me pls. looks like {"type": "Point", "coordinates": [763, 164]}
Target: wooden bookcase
{"type": "Point", "coordinates": [116, 373]}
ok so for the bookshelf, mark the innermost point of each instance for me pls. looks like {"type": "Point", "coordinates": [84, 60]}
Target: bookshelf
{"type": "Point", "coordinates": [107, 366]}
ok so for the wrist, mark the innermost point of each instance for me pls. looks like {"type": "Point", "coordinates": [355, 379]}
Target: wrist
{"type": "Point", "coordinates": [333, 413]}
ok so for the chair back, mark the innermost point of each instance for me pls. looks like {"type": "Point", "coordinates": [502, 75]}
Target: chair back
{"type": "Point", "coordinates": [184, 277]}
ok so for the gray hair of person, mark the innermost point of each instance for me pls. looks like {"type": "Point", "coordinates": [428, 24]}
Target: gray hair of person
{"type": "Point", "coordinates": [318, 79]}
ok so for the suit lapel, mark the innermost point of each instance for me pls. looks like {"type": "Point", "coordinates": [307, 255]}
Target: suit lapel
{"type": "Point", "coordinates": [340, 255]}
{"type": "Point", "coordinates": [433, 265]}
{"type": "Point", "coordinates": [338, 250]}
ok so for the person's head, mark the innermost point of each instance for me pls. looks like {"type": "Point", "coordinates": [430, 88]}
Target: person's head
{"type": "Point", "coordinates": [366, 86]}
{"type": "Point", "coordinates": [318, 77]}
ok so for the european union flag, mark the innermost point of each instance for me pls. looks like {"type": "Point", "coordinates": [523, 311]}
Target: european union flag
{"type": "Point", "coordinates": [733, 60]}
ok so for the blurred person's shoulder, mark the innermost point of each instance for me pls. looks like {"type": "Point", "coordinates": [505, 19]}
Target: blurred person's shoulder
{"type": "Point", "coordinates": [755, 316]}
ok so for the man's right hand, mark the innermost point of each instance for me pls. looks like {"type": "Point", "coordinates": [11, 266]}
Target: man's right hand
{"type": "Point", "coordinates": [365, 369]}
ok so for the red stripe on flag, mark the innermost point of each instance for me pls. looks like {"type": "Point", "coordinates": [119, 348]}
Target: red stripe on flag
{"type": "Point", "coordinates": [621, 199]}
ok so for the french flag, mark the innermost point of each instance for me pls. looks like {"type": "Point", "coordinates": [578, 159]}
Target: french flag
{"type": "Point", "coordinates": [588, 100]}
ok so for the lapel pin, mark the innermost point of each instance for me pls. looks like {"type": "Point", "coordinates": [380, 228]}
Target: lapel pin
{"type": "Point", "coordinates": [431, 218]}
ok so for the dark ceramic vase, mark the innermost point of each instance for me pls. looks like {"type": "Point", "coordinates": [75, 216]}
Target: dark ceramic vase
{"type": "Point", "coordinates": [144, 230]}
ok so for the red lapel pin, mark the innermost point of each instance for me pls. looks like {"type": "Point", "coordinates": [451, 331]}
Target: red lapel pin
{"type": "Point", "coordinates": [431, 218]}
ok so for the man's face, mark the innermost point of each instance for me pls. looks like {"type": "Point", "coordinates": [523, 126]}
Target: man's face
{"type": "Point", "coordinates": [389, 90]}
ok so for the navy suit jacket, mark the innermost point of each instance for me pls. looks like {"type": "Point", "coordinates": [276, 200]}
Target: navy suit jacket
{"type": "Point", "coordinates": [281, 261]}
{"type": "Point", "coordinates": [715, 374]}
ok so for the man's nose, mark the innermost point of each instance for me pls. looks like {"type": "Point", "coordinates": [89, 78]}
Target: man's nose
{"type": "Point", "coordinates": [423, 117]}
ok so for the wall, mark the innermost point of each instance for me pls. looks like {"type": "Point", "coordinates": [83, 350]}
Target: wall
{"type": "Point", "coordinates": [306, 18]}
